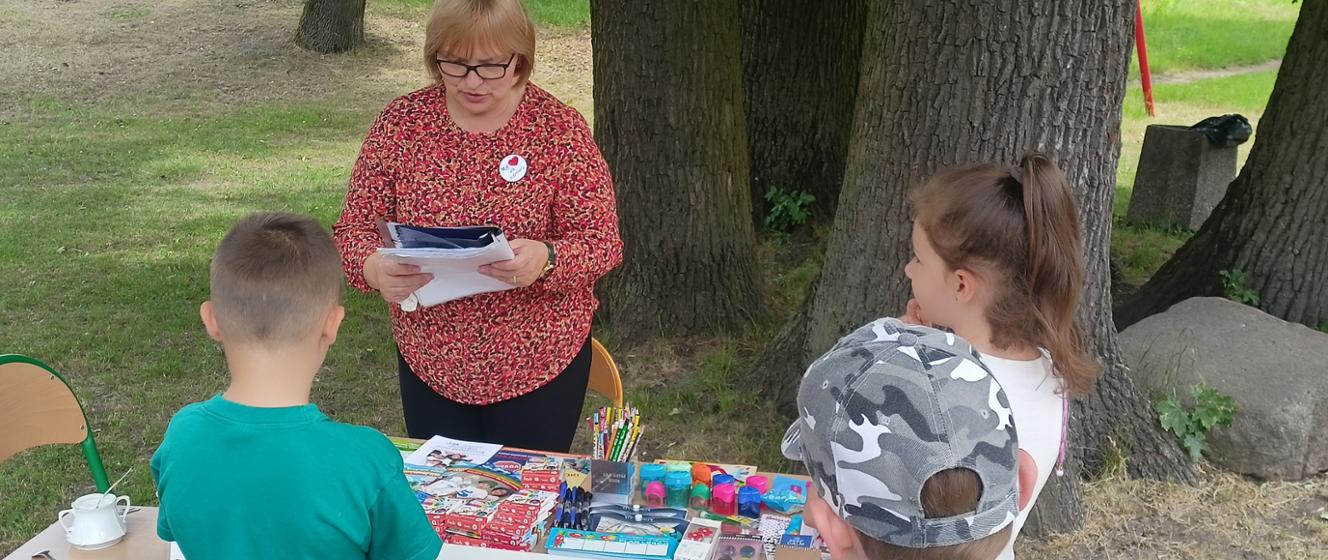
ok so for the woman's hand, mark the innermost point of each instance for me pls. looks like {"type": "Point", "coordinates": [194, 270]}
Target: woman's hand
{"type": "Point", "coordinates": [394, 280]}
{"type": "Point", "coordinates": [525, 266]}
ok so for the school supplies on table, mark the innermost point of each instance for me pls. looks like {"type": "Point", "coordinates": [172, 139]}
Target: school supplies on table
{"type": "Point", "coordinates": [638, 521]}
{"type": "Point", "coordinates": [592, 544]}
{"type": "Point", "coordinates": [445, 452]}
{"type": "Point", "coordinates": [611, 482]}
{"type": "Point", "coordinates": [452, 255]}
{"type": "Point", "coordinates": [739, 547]}
{"type": "Point", "coordinates": [698, 540]}
{"type": "Point", "coordinates": [786, 495]}
{"type": "Point", "coordinates": [616, 433]}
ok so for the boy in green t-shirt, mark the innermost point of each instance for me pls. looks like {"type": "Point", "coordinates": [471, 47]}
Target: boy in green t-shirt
{"type": "Point", "coordinates": [259, 471]}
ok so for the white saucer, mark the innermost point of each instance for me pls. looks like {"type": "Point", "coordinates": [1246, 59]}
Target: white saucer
{"type": "Point", "coordinates": [98, 546]}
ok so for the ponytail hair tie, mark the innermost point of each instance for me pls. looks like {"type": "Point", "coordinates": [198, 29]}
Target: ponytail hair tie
{"type": "Point", "coordinates": [1017, 173]}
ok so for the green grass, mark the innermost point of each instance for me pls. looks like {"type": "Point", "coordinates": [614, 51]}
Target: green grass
{"type": "Point", "coordinates": [109, 217]}
{"type": "Point", "coordinates": [1186, 104]}
{"type": "Point", "coordinates": [547, 13]}
{"type": "Point", "coordinates": [560, 13]}
{"type": "Point", "coordinates": [1141, 250]}
{"type": "Point", "coordinates": [1185, 35]}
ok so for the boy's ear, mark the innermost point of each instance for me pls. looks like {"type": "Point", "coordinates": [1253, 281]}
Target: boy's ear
{"type": "Point", "coordinates": [209, 316]}
{"type": "Point", "coordinates": [332, 324]}
{"type": "Point", "coordinates": [1028, 475]}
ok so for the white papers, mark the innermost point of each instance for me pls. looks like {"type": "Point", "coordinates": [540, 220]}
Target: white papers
{"type": "Point", "coordinates": [175, 552]}
{"type": "Point", "coordinates": [455, 270]}
{"type": "Point", "coordinates": [444, 452]}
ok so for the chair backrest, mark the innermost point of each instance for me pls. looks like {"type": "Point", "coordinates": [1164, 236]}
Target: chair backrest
{"type": "Point", "coordinates": [36, 408]}
{"type": "Point", "coordinates": [604, 377]}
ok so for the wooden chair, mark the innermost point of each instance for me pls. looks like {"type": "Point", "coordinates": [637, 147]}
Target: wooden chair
{"type": "Point", "coordinates": [604, 377]}
{"type": "Point", "coordinates": [37, 408]}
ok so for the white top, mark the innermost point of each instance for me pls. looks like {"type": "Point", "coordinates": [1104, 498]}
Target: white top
{"type": "Point", "coordinates": [1038, 417]}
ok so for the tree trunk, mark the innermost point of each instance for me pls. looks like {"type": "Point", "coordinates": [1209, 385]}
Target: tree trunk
{"type": "Point", "coordinates": [952, 82]}
{"type": "Point", "coordinates": [331, 26]}
{"type": "Point", "coordinates": [1273, 222]}
{"type": "Point", "coordinates": [669, 119]}
{"type": "Point", "coordinates": [799, 99]}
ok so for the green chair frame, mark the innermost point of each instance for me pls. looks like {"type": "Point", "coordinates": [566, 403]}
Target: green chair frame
{"type": "Point", "coordinates": [88, 444]}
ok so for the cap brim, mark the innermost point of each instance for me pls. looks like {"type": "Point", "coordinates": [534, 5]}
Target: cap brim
{"type": "Point", "coordinates": [791, 447]}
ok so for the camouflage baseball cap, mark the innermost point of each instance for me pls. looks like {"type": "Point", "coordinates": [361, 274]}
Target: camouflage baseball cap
{"type": "Point", "coordinates": [889, 406]}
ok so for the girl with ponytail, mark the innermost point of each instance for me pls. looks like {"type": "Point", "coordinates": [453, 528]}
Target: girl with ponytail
{"type": "Point", "coordinates": [997, 259]}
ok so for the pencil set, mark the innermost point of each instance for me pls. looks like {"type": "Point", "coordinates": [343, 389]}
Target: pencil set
{"type": "Point", "coordinates": [616, 432]}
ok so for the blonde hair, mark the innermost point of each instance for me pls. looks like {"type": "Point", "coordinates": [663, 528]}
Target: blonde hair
{"type": "Point", "coordinates": [458, 27]}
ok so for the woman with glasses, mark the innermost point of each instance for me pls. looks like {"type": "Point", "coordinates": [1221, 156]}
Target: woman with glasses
{"type": "Point", "coordinates": [484, 146]}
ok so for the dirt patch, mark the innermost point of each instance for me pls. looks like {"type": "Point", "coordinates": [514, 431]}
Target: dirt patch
{"type": "Point", "coordinates": [1197, 75]}
{"type": "Point", "coordinates": [1224, 516]}
{"type": "Point", "coordinates": [183, 55]}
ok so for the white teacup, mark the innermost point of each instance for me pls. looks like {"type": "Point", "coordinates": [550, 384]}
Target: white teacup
{"type": "Point", "coordinates": [98, 522]}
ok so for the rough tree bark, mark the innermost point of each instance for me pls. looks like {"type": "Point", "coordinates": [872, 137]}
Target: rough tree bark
{"type": "Point", "coordinates": [1273, 222]}
{"type": "Point", "coordinates": [331, 26]}
{"type": "Point", "coordinates": [669, 119]}
{"type": "Point", "coordinates": [960, 81]}
{"type": "Point", "coordinates": [800, 100]}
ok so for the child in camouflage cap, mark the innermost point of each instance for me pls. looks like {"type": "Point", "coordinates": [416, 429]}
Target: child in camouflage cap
{"type": "Point", "coordinates": [910, 445]}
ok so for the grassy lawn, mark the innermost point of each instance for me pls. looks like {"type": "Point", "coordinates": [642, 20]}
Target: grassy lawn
{"type": "Point", "coordinates": [1189, 35]}
{"type": "Point", "coordinates": [116, 193]}
{"type": "Point", "coordinates": [1192, 37]}
{"type": "Point", "coordinates": [554, 14]}
{"type": "Point", "coordinates": [1141, 250]}
{"type": "Point", "coordinates": [109, 224]}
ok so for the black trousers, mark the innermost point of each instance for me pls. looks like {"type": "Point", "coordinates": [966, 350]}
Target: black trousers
{"type": "Point", "coordinates": [543, 420]}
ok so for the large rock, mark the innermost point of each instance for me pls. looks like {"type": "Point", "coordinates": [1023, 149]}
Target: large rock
{"type": "Point", "coordinates": [1274, 370]}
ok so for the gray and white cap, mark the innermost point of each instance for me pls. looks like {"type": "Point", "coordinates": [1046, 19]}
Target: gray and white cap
{"type": "Point", "coordinates": [888, 407]}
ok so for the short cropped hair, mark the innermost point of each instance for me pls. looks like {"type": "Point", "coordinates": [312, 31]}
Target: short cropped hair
{"type": "Point", "coordinates": [947, 493]}
{"type": "Point", "coordinates": [274, 277]}
{"type": "Point", "coordinates": [457, 27]}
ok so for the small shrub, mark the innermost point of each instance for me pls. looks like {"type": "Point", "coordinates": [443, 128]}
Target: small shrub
{"type": "Point", "coordinates": [1192, 426]}
{"type": "Point", "coordinates": [1233, 287]}
{"type": "Point", "coordinates": [788, 208]}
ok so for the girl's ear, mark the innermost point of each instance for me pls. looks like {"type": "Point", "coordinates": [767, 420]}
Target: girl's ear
{"type": "Point", "coordinates": [966, 285]}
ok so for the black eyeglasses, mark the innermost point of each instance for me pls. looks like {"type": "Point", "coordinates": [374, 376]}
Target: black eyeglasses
{"type": "Point", "coordinates": [484, 71]}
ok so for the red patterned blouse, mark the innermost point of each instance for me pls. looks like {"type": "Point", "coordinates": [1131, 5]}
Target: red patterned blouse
{"type": "Point", "coordinates": [418, 167]}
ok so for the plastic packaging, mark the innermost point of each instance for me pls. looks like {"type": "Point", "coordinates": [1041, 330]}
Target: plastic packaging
{"type": "Point", "coordinates": [724, 499]}
{"type": "Point", "coordinates": [700, 496]}
{"type": "Point", "coordinates": [1226, 131]}
{"type": "Point", "coordinates": [759, 482]}
{"type": "Point", "coordinates": [749, 502]}
{"type": "Point", "coordinates": [678, 484]}
{"type": "Point", "coordinates": [651, 473]}
{"type": "Point", "coordinates": [786, 495]}
{"type": "Point", "coordinates": [656, 494]}
{"type": "Point", "coordinates": [701, 473]}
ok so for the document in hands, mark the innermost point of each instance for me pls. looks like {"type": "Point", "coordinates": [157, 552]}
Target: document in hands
{"type": "Point", "coordinates": [452, 255]}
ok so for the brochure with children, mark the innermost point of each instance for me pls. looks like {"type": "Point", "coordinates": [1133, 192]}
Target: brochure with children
{"type": "Point", "coordinates": [592, 544]}
{"type": "Point", "coordinates": [452, 255]}
{"type": "Point", "coordinates": [445, 452]}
